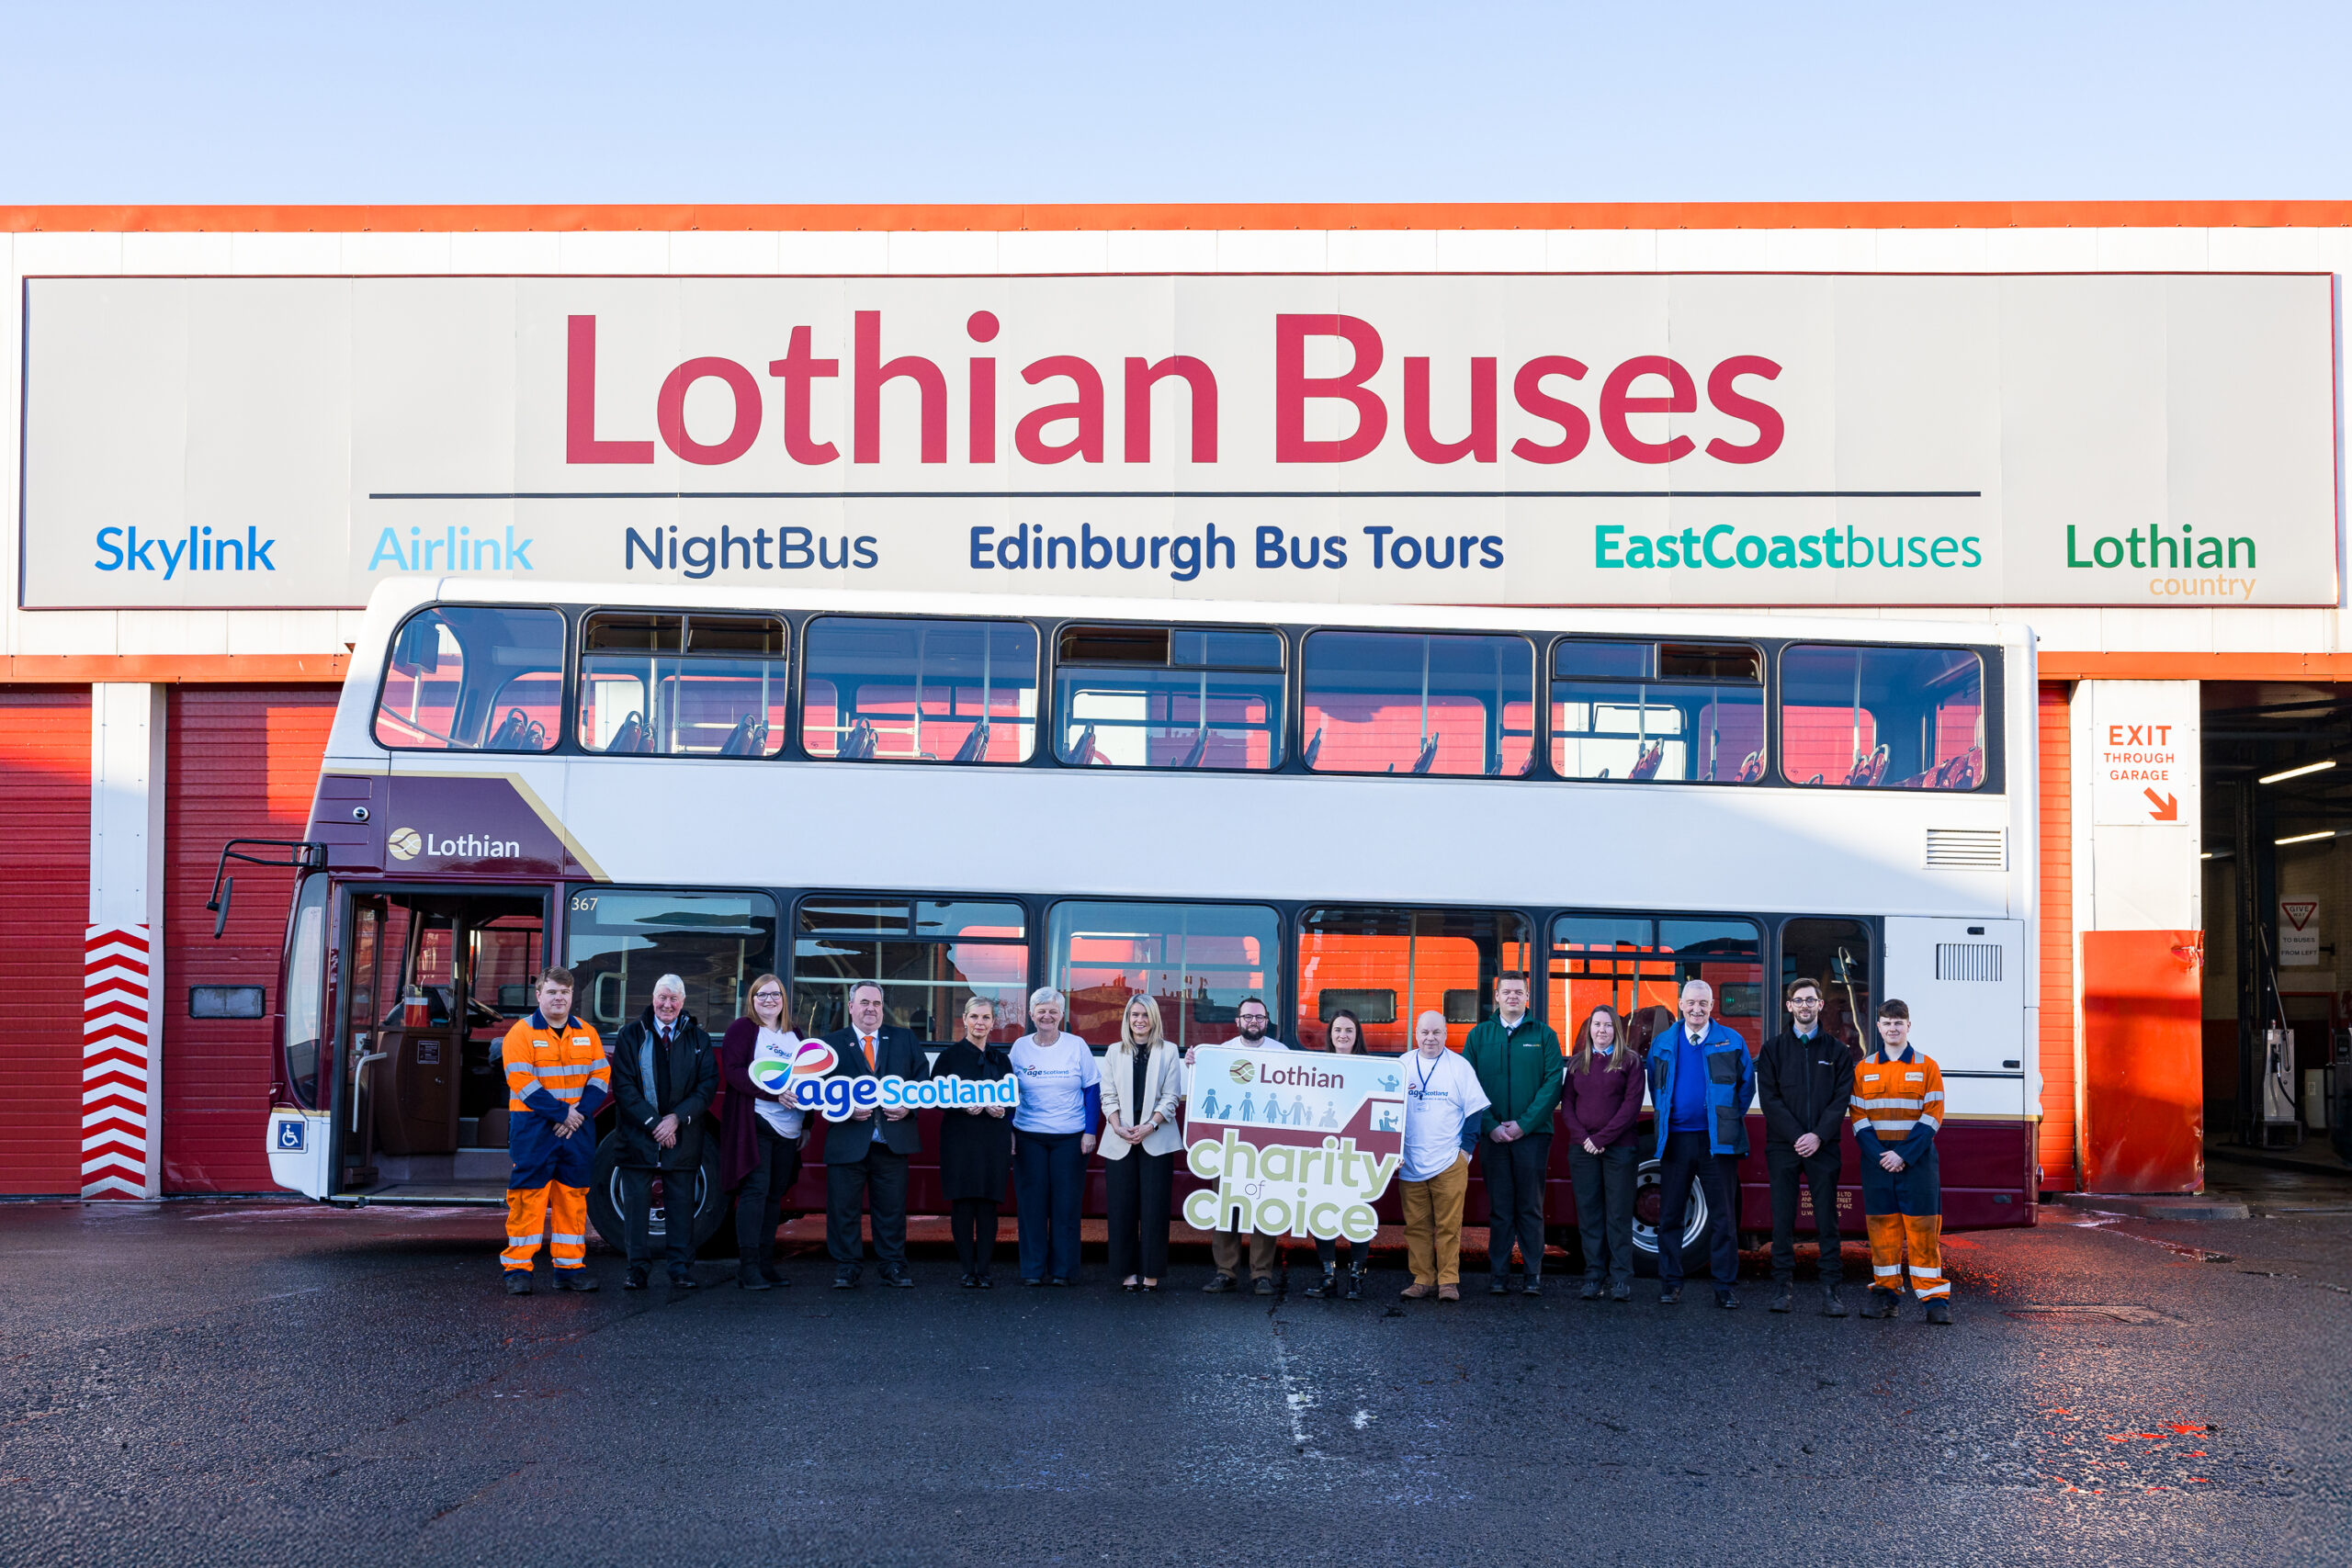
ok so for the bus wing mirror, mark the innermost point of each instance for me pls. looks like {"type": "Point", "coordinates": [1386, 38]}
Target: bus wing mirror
{"type": "Point", "coordinates": [300, 854]}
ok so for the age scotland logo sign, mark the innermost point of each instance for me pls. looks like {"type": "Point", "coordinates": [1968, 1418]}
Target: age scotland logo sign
{"type": "Point", "coordinates": [805, 1077]}
{"type": "Point", "coordinates": [1298, 1143]}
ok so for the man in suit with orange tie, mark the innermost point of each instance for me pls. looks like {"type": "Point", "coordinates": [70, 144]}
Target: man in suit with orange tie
{"type": "Point", "coordinates": [866, 1155]}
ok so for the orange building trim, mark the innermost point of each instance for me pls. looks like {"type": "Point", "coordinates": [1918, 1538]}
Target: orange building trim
{"type": "Point", "coordinates": [1068, 216]}
{"type": "Point", "coordinates": [80, 668]}
{"type": "Point", "coordinates": [2193, 666]}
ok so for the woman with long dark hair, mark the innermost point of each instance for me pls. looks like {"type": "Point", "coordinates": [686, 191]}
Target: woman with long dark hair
{"type": "Point", "coordinates": [1598, 1100]}
{"type": "Point", "coordinates": [1345, 1035]}
{"type": "Point", "coordinates": [760, 1134]}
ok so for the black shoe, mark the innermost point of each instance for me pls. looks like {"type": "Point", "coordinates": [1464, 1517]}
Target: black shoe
{"type": "Point", "coordinates": [1032, 1285]}
{"type": "Point", "coordinates": [1261, 1286]}
{"type": "Point", "coordinates": [1591, 1292]}
{"type": "Point", "coordinates": [574, 1279]}
{"type": "Point", "coordinates": [986, 1283]}
{"type": "Point", "coordinates": [1787, 1300]}
{"type": "Point", "coordinates": [1830, 1305]}
{"type": "Point", "coordinates": [898, 1278]}
{"type": "Point", "coordinates": [844, 1278]}
{"type": "Point", "coordinates": [684, 1282]}
{"type": "Point", "coordinates": [1219, 1283]}
{"type": "Point", "coordinates": [1329, 1285]}
{"type": "Point", "coordinates": [1670, 1295]}
{"type": "Point", "coordinates": [772, 1275]}
{"type": "Point", "coordinates": [1622, 1293]}
{"type": "Point", "coordinates": [1355, 1284]}
{"type": "Point", "coordinates": [1878, 1304]}
{"type": "Point", "coordinates": [750, 1280]}
{"type": "Point", "coordinates": [1498, 1284]}
{"type": "Point", "coordinates": [1940, 1311]}
{"type": "Point", "coordinates": [971, 1281]}
{"type": "Point", "coordinates": [1535, 1286]}
{"type": "Point", "coordinates": [633, 1280]}
{"type": "Point", "coordinates": [518, 1281]}
{"type": "Point", "coordinates": [1727, 1300]}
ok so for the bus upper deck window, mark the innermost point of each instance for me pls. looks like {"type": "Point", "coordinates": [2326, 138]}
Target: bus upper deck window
{"type": "Point", "coordinates": [1169, 697]}
{"type": "Point", "coordinates": [1407, 703]}
{"type": "Point", "coordinates": [1883, 718]}
{"type": "Point", "coordinates": [678, 685]}
{"type": "Point", "coordinates": [892, 690]}
{"type": "Point", "coordinates": [1682, 711]}
{"type": "Point", "coordinates": [473, 678]}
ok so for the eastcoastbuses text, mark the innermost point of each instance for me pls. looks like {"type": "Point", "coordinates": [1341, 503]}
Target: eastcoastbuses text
{"type": "Point", "coordinates": [1377, 810]}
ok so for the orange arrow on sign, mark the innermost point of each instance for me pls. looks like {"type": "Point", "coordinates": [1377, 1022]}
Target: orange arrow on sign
{"type": "Point", "coordinates": [2168, 807]}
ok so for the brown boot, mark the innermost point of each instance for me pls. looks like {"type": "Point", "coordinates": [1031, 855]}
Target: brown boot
{"type": "Point", "coordinates": [1416, 1291]}
{"type": "Point", "coordinates": [1449, 1292]}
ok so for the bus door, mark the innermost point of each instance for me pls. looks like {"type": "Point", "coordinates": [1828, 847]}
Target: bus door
{"type": "Point", "coordinates": [433, 982]}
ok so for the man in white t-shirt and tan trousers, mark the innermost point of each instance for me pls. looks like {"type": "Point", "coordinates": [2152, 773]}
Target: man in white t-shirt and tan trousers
{"type": "Point", "coordinates": [1443, 1101]}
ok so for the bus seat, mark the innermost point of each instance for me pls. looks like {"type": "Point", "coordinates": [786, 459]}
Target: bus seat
{"type": "Point", "coordinates": [1428, 759]}
{"type": "Point", "coordinates": [1646, 765]}
{"type": "Point", "coordinates": [976, 745]}
{"type": "Point", "coordinates": [858, 745]}
{"type": "Point", "coordinates": [747, 738]}
{"type": "Point", "coordinates": [1752, 767]}
{"type": "Point", "coordinates": [1084, 753]}
{"type": "Point", "coordinates": [1194, 753]}
{"type": "Point", "coordinates": [1869, 770]}
{"type": "Point", "coordinates": [1314, 746]}
{"type": "Point", "coordinates": [1816, 779]}
{"type": "Point", "coordinates": [518, 732]}
{"type": "Point", "coordinates": [629, 736]}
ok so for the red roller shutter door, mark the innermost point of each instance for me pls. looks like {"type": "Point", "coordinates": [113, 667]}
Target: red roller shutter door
{"type": "Point", "coordinates": [2057, 1045]}
{"type": "Point", "coordinates": [244, 762]}
{"type": "Point", "coordinates": [44, 908]}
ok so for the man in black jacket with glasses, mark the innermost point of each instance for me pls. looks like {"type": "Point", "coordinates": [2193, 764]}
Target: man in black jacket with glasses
{"type": "Point", "coordinates": [1804, 1078]}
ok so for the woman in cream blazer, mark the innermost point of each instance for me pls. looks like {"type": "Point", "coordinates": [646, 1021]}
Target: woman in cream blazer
{"type": "Point", "coordinates": [1143, 1093]}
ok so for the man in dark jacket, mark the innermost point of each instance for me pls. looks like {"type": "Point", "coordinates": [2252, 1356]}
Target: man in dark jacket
{"type": "Point", "coordinates": [1805, 1078]}
{"type": "Point", "coordinates": [1518, 1063]}
{"type": "Point", "coordinates": [866, 1155]}
{"type": "Point", "coordinates": [664, 1077]}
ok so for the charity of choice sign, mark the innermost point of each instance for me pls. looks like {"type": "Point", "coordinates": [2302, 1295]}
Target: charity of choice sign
{"type": "Point", "coordinates": [1604, 439]}
{"type": "Point", "coordinates": [1291, 1143]}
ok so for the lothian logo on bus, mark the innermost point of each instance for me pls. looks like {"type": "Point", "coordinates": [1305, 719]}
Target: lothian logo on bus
{"type": "Point", "coordinates": [407, 843]}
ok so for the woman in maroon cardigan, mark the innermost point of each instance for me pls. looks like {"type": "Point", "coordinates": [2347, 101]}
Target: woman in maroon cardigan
{"type": "Point", "coordinates": [760, 1134]}
{"type": "Point", "coordinates": [1598, 1100]}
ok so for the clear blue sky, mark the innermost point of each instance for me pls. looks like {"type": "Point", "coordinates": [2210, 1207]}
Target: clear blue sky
{"type": "Point", "coordinates": [112, 102]}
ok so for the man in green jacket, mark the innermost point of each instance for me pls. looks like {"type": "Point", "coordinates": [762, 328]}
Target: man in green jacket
{"type": "Point", "coordinates": [1517, 1062]}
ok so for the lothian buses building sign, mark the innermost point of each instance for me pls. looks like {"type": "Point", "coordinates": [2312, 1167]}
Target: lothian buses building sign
{"type": "Point", "coordinates": [1704, 439]}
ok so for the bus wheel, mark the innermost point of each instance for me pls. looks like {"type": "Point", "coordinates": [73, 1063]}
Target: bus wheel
{"type": "Point", "coordinates": [1647, 1200]}
{"type": "Point", "coordinates": [604, 1197]}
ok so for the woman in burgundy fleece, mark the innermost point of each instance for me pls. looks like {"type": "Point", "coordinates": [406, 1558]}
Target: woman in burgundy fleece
{"type": "Point", "coordinates": [1598, 1100]}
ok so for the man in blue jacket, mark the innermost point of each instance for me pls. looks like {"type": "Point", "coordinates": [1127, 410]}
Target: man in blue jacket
{"type": "Point", "coordinates": [1702, 1081]}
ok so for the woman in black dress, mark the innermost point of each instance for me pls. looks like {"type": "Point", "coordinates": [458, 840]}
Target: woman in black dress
{"type": "Point", "coordinates": [975, 1146]}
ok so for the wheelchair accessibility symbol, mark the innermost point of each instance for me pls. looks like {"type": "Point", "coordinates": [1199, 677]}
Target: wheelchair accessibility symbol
{"type": "Point", "coordinates": [289, 1134]}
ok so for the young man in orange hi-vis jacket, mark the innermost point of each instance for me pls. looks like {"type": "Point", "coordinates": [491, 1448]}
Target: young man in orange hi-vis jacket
{"type": "Point", "coordinates": [557, 1079]}
{"type": "Point", "coordinates": [1899, 1105]}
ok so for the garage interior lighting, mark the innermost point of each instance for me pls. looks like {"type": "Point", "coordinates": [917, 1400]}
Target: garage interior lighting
{"type": "Point", "coordinates": [2297, 772]}
{"type": "Point", "coordinates": [2307, 838]}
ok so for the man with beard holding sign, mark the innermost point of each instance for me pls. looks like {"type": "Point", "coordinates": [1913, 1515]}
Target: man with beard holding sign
{"type": "Point", "coordinates": [1225, 1247]}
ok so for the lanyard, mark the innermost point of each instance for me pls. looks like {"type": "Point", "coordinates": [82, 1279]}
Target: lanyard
{"type": "Point", "coordinates": [1424, 1083]}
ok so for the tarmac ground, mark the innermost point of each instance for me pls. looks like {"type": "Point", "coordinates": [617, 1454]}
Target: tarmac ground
{"type": "Point", "coordinates": [281, 1382]}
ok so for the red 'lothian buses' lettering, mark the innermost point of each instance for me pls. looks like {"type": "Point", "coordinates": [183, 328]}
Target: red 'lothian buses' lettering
{"type": "Point", "coordinates": [1076, 423]}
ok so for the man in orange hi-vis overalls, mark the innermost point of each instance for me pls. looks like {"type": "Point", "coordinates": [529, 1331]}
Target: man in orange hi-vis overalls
{"type": "Point", "coordinates": [556, 1079]}
{"type": "Point", "coordinates": [1899, 1105]}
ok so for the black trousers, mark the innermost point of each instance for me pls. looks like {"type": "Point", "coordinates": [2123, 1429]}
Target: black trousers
{"type": "Point", "coordinates": [759, 1203]}
{"type": "Point", "coordinates": [1786, 1167]}
{"type": "Point", "coordinates": [1327, 1253]}
{"type": "Point", "coordinates": [1048, 1188]}
{"type": "Point", "coordinates": [677, 1215]}
{"type": "Point", "coordinates": [879, 1176]}
{"type": "Point", "coordinates": [1604, 1185]}
{"type": "Point", "coordinates": [972, 1222]}
{"type": "Point", "coordinates": [1686, 1158]}
{"type": "Point", "coordinates": [1137, 1186]}
{"type": "Point", "coordinates": [1514, 1173]}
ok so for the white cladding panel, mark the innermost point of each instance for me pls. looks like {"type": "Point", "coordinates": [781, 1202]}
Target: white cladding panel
{"type": "Point", "coordinates": [1969, 1022]}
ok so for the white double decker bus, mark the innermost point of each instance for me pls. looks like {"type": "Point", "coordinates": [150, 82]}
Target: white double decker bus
{"type": "Point", "coordinates": [1370, 809]}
